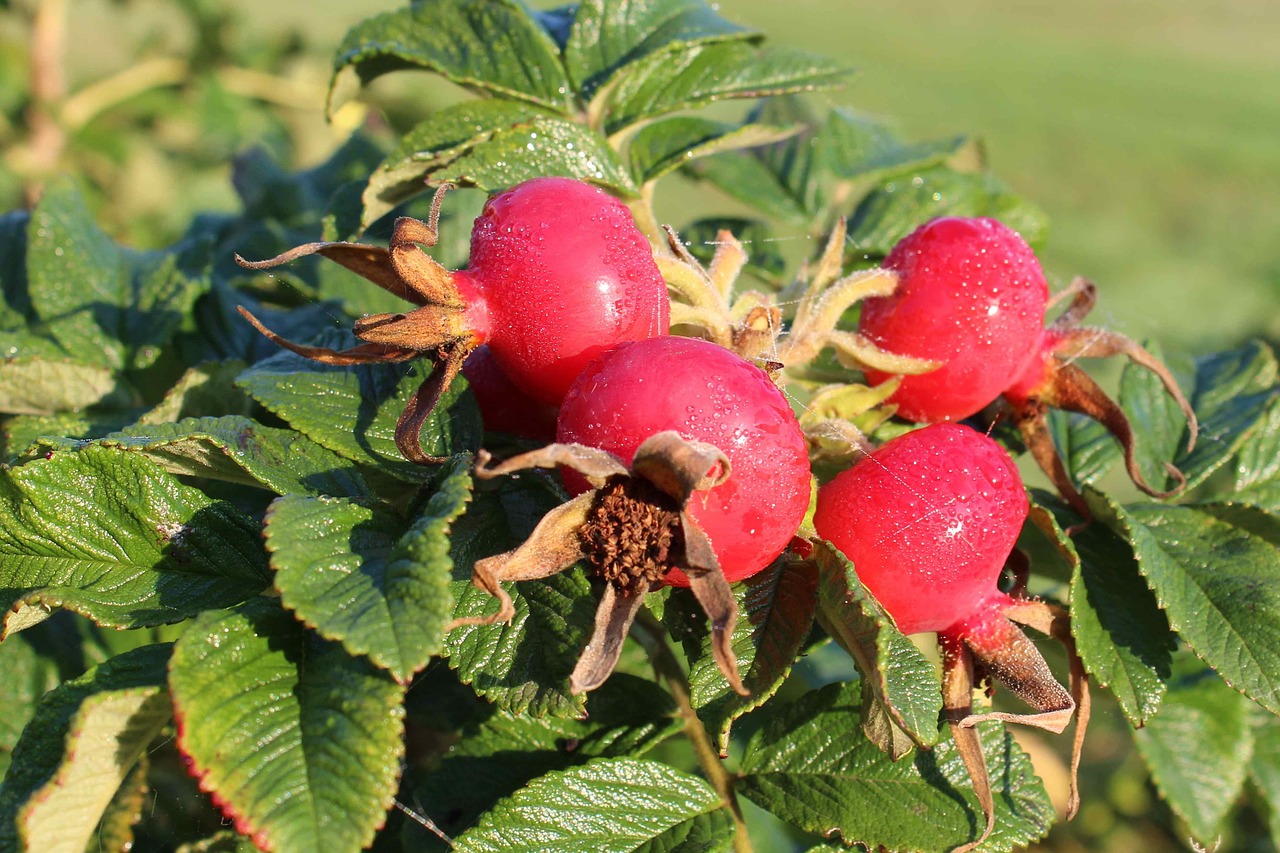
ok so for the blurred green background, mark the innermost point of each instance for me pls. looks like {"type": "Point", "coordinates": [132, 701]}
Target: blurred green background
{"type": "Point", "coordinates": [1149, 132]}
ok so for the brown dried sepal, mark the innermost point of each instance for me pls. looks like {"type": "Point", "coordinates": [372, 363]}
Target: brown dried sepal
{"type": "Point", "coordinates": [1003, 654]}
{"type": "Point", "coordinates": [436, 328]}
{"type": "Point", "coordinates": [1063, 385]}
{"type": "Point", "coordinates": [632, 529]}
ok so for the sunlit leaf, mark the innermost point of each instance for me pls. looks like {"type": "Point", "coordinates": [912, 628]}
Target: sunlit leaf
{"type": "Point", "coordinates": [605, 805]}
{"type": "Point", "coordinates": [264, 707]}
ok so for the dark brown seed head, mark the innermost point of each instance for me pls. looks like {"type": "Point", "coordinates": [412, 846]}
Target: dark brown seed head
{"type": "Point", "coordinates": [633, 531]}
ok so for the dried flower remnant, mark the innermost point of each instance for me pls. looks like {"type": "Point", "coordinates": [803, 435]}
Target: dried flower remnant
{"type": "Point", "coordinates": [631, 528]}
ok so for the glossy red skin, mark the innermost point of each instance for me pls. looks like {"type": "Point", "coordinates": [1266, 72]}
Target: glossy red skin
{"type": "Point", "coordinates": [972, 295]}
{"type": "Point", "coordinates": [558, 274]}
{"type": "Point", "coordinates": [705, 393]}
{"type": "Point", "coordinates": [928, 521]}
{"type": "Point", "coordinates": [503, 406]}
{"type": "Point", "coordinates": [1037, 375]}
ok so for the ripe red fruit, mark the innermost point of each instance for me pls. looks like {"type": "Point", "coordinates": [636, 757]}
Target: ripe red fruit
{"type": "Point", "coordinates": [688, 468]}
{"type": "Point", "coordinates": [558, 274]}
{"type": "Point", "coordinates": [503, 406]}
{"type": "Point", "coordinates": [705, 393]}
{"type": "Point", "coordinates": [972, 295]}
{"type": "Point", "coordinates": [927, 520]}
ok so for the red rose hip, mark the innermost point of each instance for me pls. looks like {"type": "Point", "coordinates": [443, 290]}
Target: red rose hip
{"type": "Point", "coordinates": [705, 393]}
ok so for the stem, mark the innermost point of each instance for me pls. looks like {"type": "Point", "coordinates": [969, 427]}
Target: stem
{"type": "Point", "coordinates": [48, 87]}
{"type": "Point", "coordinates": [649, 633]}
{"type": "Point", "coordinates": [646, 219]}
{"type": "Point", "coordinates": [93, 100]}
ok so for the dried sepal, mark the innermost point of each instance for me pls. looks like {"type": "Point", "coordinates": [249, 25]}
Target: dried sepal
{"type": "Point", "coordinates": [1055, 622]}
{"type": "Point", "coordinates": [594, 464]}
{"type": "Point", "coordinates": [957, 700]}
{"type": "Point", "coordinates": [553, 547]}
{"type": "Point", "coordinates": [995, 649]}
{"type": "Point", "coordinates": [437, 327]}
{"type": "Point", "coordinates": [680, 467]}
{"type": "Point", "coordinates": [1054, 381]}
{"type": "Point", "coordinates": [617, 610]}
{"type": "Point", "coordinates": [631, 529]}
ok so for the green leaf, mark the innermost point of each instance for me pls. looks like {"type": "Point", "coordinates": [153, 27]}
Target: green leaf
{"type": "Point", "coordinates": [81, 745]}
{"type": "Point", "coordinates": [665, 145]}
{"type": "Point", "coordinates": [862, 148]}
{"type": "Point", "coordinates": [367, 578]}
{"type": "Point", "coordinates": [1264, 768]}
{"type": "Point", "coordinates": [266, 708]}
{"type": "Point", "coordinates": [226, 841]}
{"type": "Point", "coordinates": [206, 390]}
{"type": "Point", "coordinates": [1230, 393]}
{"type": "Point", "coordinates": [894, 210]}
{"type": "Point", "coordinates": [28, 676]}
{"type": "Point", "coordinates": [353, 410]}
{"type": "Point", "coordinates": [822, 173]}
{"type": "Point", "coordinates": [605, 805]}
{"type": "Point", "coordinates": [224, 334]}
{"type": "Point", "coordinates": [1215, 570]}
{"type": "Point", "coordinates": [608, 36]}
{"type": "Point", "coordinates": [542, 146]}
{"type": "Point", "coordinates": [112, 537]}
{"type": "Point", "coordinates": [750, 179]}
{"type": "Point", "coordinates": [105, 305]}
{"type": "Point", "coordinates": [1157, 421]}
{"type": "Point", "coordinates": [487, 46]}
{"type": "Point", "coordinates": [810, 765]}
{"type": "Point", "coordinates": [1084, 446]}
{"type": "Point", "coordinates": [523, 666]}
{"type": "Point", "coordinates": [901, 678]}
{"type": "Point", "coordinates": [1121, 634]}
{"type": "Point", "coordinates": [669, 81]}
{"type": "Point", "coordinates": [15, 296]}
{"type": "Point", "coordinates": [239, 450]}
{"type": "Point", "coordinates": [45, 386]}
{"type": "Point", "coordinates": [21, 432]}
{"type": "Point", "coordinates": [775, 613]}
{"type": "Point", "coordinates": [115, 829]}
{"type": "Point", "coordinates": [442, 138]}
{"type": "Point", "coordinates": [1198, 748]}
{"type": "Point", "coordinates": [627, 716]}
{"type": "Point", "coordinates": [1257, 479]}
{"type": "Point", "coordinates": [300, 200]}
{"type": "Point", "coordinates": [1233, 391]}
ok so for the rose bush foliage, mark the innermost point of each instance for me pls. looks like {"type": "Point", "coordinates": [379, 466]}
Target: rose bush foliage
{"type": "Point", "coordinates": [227, 594]}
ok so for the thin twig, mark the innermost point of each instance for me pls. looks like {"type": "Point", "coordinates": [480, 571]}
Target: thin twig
{"type": "Point", "coordinates": [93, 100]}
{"type": "Point", "coordinates": [650, 635]}
{"type": "Point", "coordinates": [48, 87]}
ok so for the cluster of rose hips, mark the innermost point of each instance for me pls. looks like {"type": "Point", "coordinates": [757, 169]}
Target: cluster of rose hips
{"type": "Point", "coordinates": [687, 463]}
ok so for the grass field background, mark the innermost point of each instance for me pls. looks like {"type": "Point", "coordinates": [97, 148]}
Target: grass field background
{"type": "Point", "coordinates": [1149, 131]}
